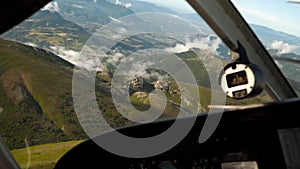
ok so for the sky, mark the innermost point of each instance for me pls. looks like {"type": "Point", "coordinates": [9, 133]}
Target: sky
{"type": "Point", "coordinates": [276, 14]}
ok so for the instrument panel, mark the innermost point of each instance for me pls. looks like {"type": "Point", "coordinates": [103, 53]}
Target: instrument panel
{"type": "Point", "coordinates": [257, 138]}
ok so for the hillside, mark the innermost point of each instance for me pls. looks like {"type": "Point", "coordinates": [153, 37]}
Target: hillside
{"type": "Point", "coordinates": [45, 29]}
{"type": "Point", "coordinates": [91, 14]}
{"type": "Point", "coordinates": [36, 102]}
{"type": "Point", "coordinates": [35, 97]}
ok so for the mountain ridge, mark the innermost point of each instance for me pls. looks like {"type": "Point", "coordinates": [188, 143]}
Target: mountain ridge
{"type": "Point", "coordinates": [29, 77]}
{"type": "Point", "coordinates": [45, 29]}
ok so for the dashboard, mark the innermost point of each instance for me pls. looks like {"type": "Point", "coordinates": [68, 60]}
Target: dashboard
{"type": "Point", "coordinates": [262, 137]}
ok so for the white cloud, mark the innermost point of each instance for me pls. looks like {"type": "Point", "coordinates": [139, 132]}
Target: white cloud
{"type": "Point", "coordinates": [52, 7]}
{"type": "Point", "coordinates": [121, 30]}
{"type": "Point", "coordinates": [77, 6]}
{"type": "Point", "coordinates": [115, 58]}
{"type": "Point", "coordinates": [118, 2]}
{"type": "Point", "coordinates": [114, 20]}
{"type": "Point", "coordinates": [208, 43]}
{"type": "Point", "coordinates": [30, 44]}
{"type": "Point", "coordinates": [179, 48]}
{"type": "Point", "coordinates": [140, 68]}
{"type": "Point", "coordinates": [90, 58]}
{"type": "Point", "coordinates": [205, 43]}
{"type": "Point", "coordinates": [282, 47]}
{"type": "Point", "coordinates": [69, 55]}
{"type": "Point", "coordinates": [126, 5]}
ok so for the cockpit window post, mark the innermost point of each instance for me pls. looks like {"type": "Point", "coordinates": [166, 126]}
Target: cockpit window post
{"type": "Point", "coordinates": [230, 26]}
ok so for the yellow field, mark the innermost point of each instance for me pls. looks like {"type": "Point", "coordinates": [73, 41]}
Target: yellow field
{"type": "Point", "coordinates": [42, 156]}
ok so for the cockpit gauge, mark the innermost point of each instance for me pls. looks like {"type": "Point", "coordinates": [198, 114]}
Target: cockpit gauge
{"type": "Point", "coordinates": [241, 79]}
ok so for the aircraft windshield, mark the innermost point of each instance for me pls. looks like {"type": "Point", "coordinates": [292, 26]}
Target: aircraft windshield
{"type": "Point", "coordinates": [133, 61]}
{"type": "Point", "coordinates": [276, 24]}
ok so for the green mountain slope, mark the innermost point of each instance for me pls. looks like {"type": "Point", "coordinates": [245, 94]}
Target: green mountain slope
{"type": "Point", "coordinates": [36, 101]}
{"type": "Point", "coordinates": [35, 97]}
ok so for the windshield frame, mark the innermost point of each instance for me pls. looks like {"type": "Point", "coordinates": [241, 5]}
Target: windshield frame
{"type": "Point", "coordinates": [227, 22]}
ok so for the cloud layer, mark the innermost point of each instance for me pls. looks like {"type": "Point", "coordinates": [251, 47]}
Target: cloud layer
{"type": "Point", "coordinates": [126, 5]}
{"type": "Point", "coordinates": [208, 43]}
{"type": "Point", "coordinates": [282, 47]}
{"type": "Point", "coordinates": [52, 7]}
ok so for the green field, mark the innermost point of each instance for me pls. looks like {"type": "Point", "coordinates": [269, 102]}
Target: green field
{"type": "Point", "coordinates": [42, 156]}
